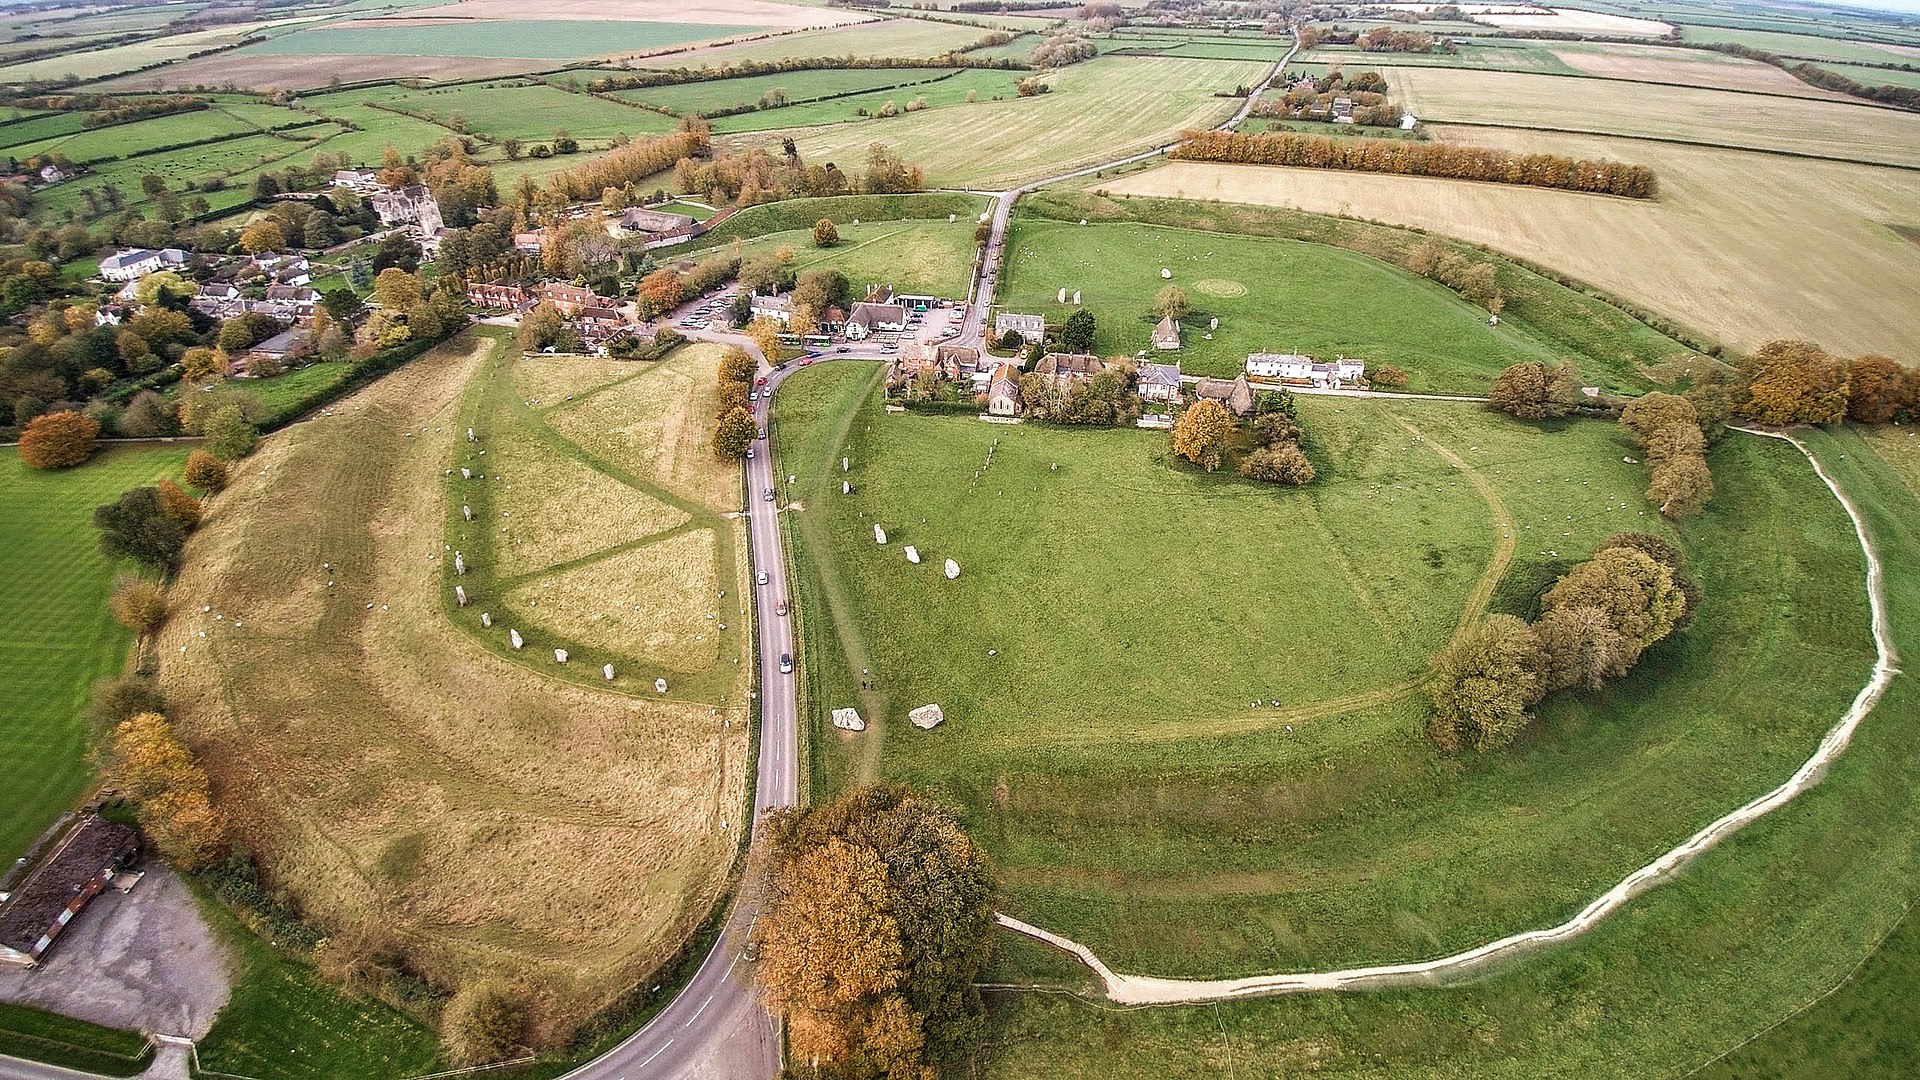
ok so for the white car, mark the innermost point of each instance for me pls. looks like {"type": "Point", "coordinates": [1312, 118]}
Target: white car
{"type": "Point", "coordinates": [749, 453]}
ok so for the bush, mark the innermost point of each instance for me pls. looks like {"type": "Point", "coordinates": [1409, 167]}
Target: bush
{"type": "Point", "coordinates": [824, 234]}
{"type": "Point", "coordinates": [484, 1023]}
{"type": "Point", "coordinates": [135, 527]}
{"type": "Point", "coordinates": [1282, 463]}
{"type": "Point", "coordinates": [229, 436]}
{"type": "Point", "coordinates": [1387, 375]}
{"type": "Point", "coordinates": [138, 604]}
{"type": "Point", "coordinates": [59, 440]}
{"type": "Point", "coordinates": [205, 472]}
{"type": "Point", "coordinates": [177, 504]}
{"type": "Point", "coordinates": [148, 416]}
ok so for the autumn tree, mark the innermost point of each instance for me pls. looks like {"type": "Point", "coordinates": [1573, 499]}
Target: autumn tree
{"type": "Point", "coordinates": [659, 293]}
{"type": "Point", "coordinates": [1201, 433]}
{"type": "Point", "coordinates": [1667, 429]}
{"type": "Point", "coordinates": [1879, 389]}
{"type": "Point", "coordinates": [1536, 391]}
{"type": "Point", "coordinates": [824, 233]}
{"type": "Point", "coordinates": [177, 504]}
{"type": "Point", "coordinates": [205, 472]}
{"type": "Point", "coordinates": [138, 603]}
{"type": "Point", "coordinates": [1387, 375]}
{"type": "Point", "coordinates": [229, 436]}
{"type": "Point", "coordinates": [766, 333]}
{"type": "Point", "coordinates": [542, 327]}
{"type": "Point", "coordinates": [159, 773]}
{"type": "Point", "coordinates": [262, 236]}
{"type": "Point", "coordinates": [1171, 303]}
{"type": "Point", "coordinates": [484, 1022]}
{"type": "Point", "coordinates": [736, 366]}
{"type": "Point", "coordinates": [135, 527]}
{"type": "Point", "coordinates": [396, 289]}
{"type": "Point", "coordinates": [733, 433]}
{"type": "Point", "coordinates": [878, 923]}
{"type": "Point", "coordinates": [1484, 686]}
{"type": "Point", "coordinates": [1637, 593]}
{"type": "Point", "coordinates": [148, 416]}
{"type": "Point", "coordinates": [59, 440]}
{"type": "Point", "coordinates": [1793, 382]}
{"type": "Point", "coordinates": [1579, 647]}
{"type": "Point", "coordinates": [1281, 463]}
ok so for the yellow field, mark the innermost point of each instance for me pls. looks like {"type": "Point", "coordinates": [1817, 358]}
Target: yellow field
{"type": "Point", "coordinates": [1745, 247]}
{"type": "Point", "coordinates": [1689, 67]}
{"type": "Point", "coordinates": [553, 508]}
{"type": "Point", "coordinates": [656, 601]}
{"type": "Point", "coordinates": [892, 37]}
{"type": "Point", "coordinates": [395, 772]}
{"type": "Point", "coordinates": [1822, 128]}
{"type": "Point", "coordinates": [1098, 110]}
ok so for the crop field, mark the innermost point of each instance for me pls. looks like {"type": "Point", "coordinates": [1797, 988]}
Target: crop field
{"type": "Point", "coordinates": [359, 725]}
{"type": "Point", "coordinates": [100, 63]}
{"type": "Point", "coordinates": [1707, 252]}
{"type": "Point", "coordinates": [1833, 129]}
{"type": "Point", "coordinates": [750, 13]}
{"type": "Point", "coordinates": [1098, 730]}
{"type": "Point", "coordinates": [1269, 295]}
{"type": "Point", "coordinates": [916, 38]}
{"type": "Point", "coordinates": [933, 88]}
{"type": "Point", "coordinates": [32, 128]}
{"type": "Point", "coordinates": [54, 583]}
{"type": "Point", "coordinates": [1806, 46]}
{"type": "Point", "coordinates": [233, 158]}
{"type": "Point", "coordinates": [1874, 76]}
{"type": "Point", "coordinates": [262, 72]}
{"type": "Point", "coordinates": [529, 112]}
{"type": "Point", "coordinates": [1686, 66]}
{"type": "Point", "coordinates": [985, 86]}
{"type": "Point", "coordinates": [1756, 929]}
{"type": "Point", "coordinates": [931, 257]}
{"type": "Point", "coordinates": [1098, 110]}
{"type": "Point", "coordinates": [1500, 56]}
{"type": "Point", "coordinates": [540, 39]}
{"type": "Point", "coordinates": [718, 94]}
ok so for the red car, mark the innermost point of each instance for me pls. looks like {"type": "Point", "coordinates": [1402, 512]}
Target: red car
{"type": "Point", "coordinates": [761, 381]}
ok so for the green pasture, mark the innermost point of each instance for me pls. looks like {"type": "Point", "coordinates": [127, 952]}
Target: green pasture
{"type": "Point", "coordinates": [539, 39]}
{"type": "Point", "coordinates": [932, 257]}
{"type": "Point", "coordinates": [129, 140]}
{"type": "Point", "coordinates": [914, 38]}
{"type": "Point", "coordinates": [1773, 920]}
{"type": "Point", "coordinates": [1269, 295]}
{"type": "Point", "coordinates": [31, 129]}
{"type": "Point", "coordinates": [1807, 46]}
{"type": "Point", "coordinates": [234, 159]}
{"type": "Point", "coordinates": [789, 215]}
{"type": "Point", "coordinates": [984, 85]}
{"type": "Point", "coordinates": [716, 94]}
{"type": "Point", "coordinates": [1495, 57]}
{"type": "Point", "coordinates": [1875, 76]}
{"type": "Point", "coordinates": [53, 586]}
{"type": "Point", "coordinates": [522, 110]}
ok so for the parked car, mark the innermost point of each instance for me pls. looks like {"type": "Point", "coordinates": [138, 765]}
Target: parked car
{"type": "Point", "coordinates": [749, 453]}
{"type": "Point", "coordinates": [806, 361]}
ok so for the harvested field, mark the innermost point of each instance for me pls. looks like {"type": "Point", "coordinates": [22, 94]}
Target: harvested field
{"type": "Point", "coordinates": [912, 38]}
{"type": "Point", "coordinates": [389, 767]}
{"type": "Point", "coordinates": [1809, 46]}
{"type": "Point", "coordinates": [1835, 129]}
{"type": "Point", "coordinates": [656, 601]}
{"type": "Point", "coordinates": [251, 71]}
{"type": "Point", "coordinates": [101, 63]}
{"type": "Point", "coordinates": [723, 12]}
{"type": "Point", "coordinates": [555, 40]}
{"type": "Point", "coordinates": [1557, 20]}
{"type": "Point", "coordinates": [1709, 252]}
{"type": "Point", "coordinates": [1098, 110]}
{"type": "Point", "coordinates": [1655, 63]}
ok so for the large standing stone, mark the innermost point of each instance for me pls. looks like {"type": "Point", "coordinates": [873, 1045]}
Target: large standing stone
{"type": "Point", "coordinates": [879, 534]}
{"type": "Point", "coordinates": [460, 594]}
{"type": "Point", "coordinates": [926, 717]}
{"type": "Point", "coordinates": [486, 620]}
{"type": "Point", "coordinates": [953, 569]}
{"type": "Point", "coordinates": [607, 670]}
{"type": "Point", "coordinates": [660, 685]}
{"type": "Point", "coordinates": [559, 656]}
{"type": "Point", "coordinates": [848, 720]}
{"type": "Point", "coordinates": [513, 636]}
{"type": "Point", "coordinates": [466, 473]}
{"type": "Point", "coordinates": [466, 512]}
{"type": "Point", "coordinates": [913, 555]}
{"type": "Point", "coordinates": [459, 563]}
{"type": "Point", "coordinates": [846, 488]}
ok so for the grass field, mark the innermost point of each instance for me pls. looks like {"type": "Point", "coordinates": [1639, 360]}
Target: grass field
{"type": "Point", "coordinates": [1707, 252]}
{"type": "Point", "coordinates": [526, 111]}
{"type": "Point", "coordinates": [128, 140]}
{"type": "Point", "coordinates": [73, 1044]}
{"type": "Point", "coordinates": [1835, 129]}
{"type": "Point", "coordinates": [1688, 66]}
{"type": "Point", "coordinates": [234, 159]}
{"type": "Point", "coordinates": [541, 39]}
{"type": "Point", "coordinates": [915, 38]}
{"type": "Point", "coordinates": [716, 94]}
{"type": "Point", "coordinates": [357, 733]}
{"type": "Point", "coordinates": [1804, 45]}
{"type": "Point", "coordinates": [54, 584]}
{"type": "Point", "coordinates": [1269, 295]}
{"type": "Point", "coordinates": [1097, 111]}
{"type": "Point", "coordinates": [1106, 754]}
{"type": "Point", "coordinates": [1875, 76]}
{"type": "Point", "coordinates": [100, 63]}
{"type": "Point", "coordinates": [912, 256]}
{"type": "Point", "coordinates": [299, 71]}
{"type": "Point", "coordinates": [985, 86]}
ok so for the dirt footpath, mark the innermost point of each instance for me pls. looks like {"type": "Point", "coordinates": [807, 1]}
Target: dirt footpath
{"type": "Point", "coordinates": [144, 960]}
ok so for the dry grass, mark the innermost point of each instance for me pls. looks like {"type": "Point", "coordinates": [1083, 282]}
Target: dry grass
{"type": "Point", "coordinates": [100, 63]}
{"type": "Point", "coordinates": [1656, 63]}
{"type": "Point", "coordinates": [657, 601]}
{"type": "Point", "coordinates": [572, 836]}
{"type": "Point", "coordinates": [1745, 247]}
{"type": "Point", "coordinates": [660, 428]}
{"type": "Point", "coordinates": [1821, 128]}
{"type": "Point", "coordinates": [718, 12]}
{"type": "Point", "coordinates": [554, 509]}
{"type": "Point", "coordinates": [888, 37]}
{"type": "Point", "coordinates": [258, 72]}
{"type": "Point", "coordinates": [550, 380]}
{"type": "Point", "coordinates": [1559, 20]}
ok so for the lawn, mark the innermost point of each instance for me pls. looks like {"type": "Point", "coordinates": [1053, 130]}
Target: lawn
{"type": "Point", "coordinates": [1097, 111]}
{"type": "Point", "coordinates": [53, 586]}
{"type": "Point", "coordinates": [73, 1044]}
{"type": "Point", "coordinates": [539, 39]}
{"type": "Point", "coordinates": [932, 257]}
{"type": "Point", "coordinates": [530, 112]}
{"type": "Point", "coordinates": [1269, 295]}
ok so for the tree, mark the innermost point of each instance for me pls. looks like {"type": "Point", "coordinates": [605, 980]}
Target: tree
{"type": "Point", "coordinates": [1276, 429]}
{"type": "Point", "coordinates": [1484, 684]}
{"type": "Point", "coordinates": [1579, 647]}
{"type": "Point", "coordinates": [135, 527]}
{"type": "Point", "coordinates": [659, 293]}
{"type": "Point", "coordinates": [342, 304]}
{"type": "Point", "coordinates": [138, 604]}
{"type": "Point", "coordinates": [484, 1022]}
{"type": "Point", "coordinates": [1201, 432]}
{"type": "Point", "coordinates": [1387, 375]}
{"type": "Point", "coordinates": [396, 289]}
{"type": "Point", "coordinates": [1794, 382]}
{"type": "Point", "coordinates": [733, 433]}
{"type": "Point", "coordinates": [229, 436]}
{"type": "Point", "coordinates": [737, 367]}
{"type": "Point", "coordinates": [1076, 334]}
{"type": "Point", "coordinates": [824, 234]}
{"type": "Point", "coordinates": [766, 334]}
{"type": "Point", "coordinates": [1534, 391]}
{"type": "Point", "coordinates": [1660, 551]}
{"type": "Point", "coordinates": [263, 235]}
{"type": "Point", "coordinates": [1011, 340]}
{"type": "Point", "coordinates": [1681, 486]}
{"type": "Point", "coordinates": [148, 416]}
{"type": "Point", "coordinates": [1278, 464]}
{"type": "Point", "coordinates": [176, 806]}
{"type": "Point", "coordinates": [1171, 303]}
{"type": "Point", "coordinates": [177, 504]}
{"type": "Point", "coordinates": [205, 472]}
{"type": "Point", "coordinates": [1879, 389]}
{"type": "Point", "coordinates": [59, 440]}
{"type": "Point", "coordinates": [512, 147]}
{"type": "Point", "coordinates": [1638, 594]}
{"type": "Point", "coordinates": [1649, 413]}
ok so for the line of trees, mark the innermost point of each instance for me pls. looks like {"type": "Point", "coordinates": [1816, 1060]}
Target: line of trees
{"type": "Point", "coordinates": [1408, 158]}
{"type": "Point", "coordinates": [733, 427]}
{"type": "Point", "coordinates": [641, 80]}
{"type": "Point", "coordinates": [1667, 429]}
{"type": "Point", "coordinates": [1595, 624]}
{"type": "Point", "coordinates": [632, 163]}
{"type": "Point", "coordinates": [1904, 97]}
{"type": "Point", "coordinates": [1798, 382]}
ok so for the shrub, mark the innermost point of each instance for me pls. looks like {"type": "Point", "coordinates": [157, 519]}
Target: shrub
{"type": "Point", "coordinates": [824, 234]}
{"type": "Point", "coordinates": [177, 504]}
{"type": "Point", "coordinates": [1282, 463]}
{"type": "Point", "coordinates": [484, 1023]}
{"type": "Point", "coordinates": [134, 527]}
{"type": "Point", "coordinates": [148, 416]}
{"type": "Point", "coordinates": [138, 604]}
{"type": "Point", "coordinates": [229, 436]}
{"type": "Point", "coordinates": [1387, 375]}
{"type": "Point", "coordinates": [59, 440]}
{"type": "Point", "coordinates": [205, 472]}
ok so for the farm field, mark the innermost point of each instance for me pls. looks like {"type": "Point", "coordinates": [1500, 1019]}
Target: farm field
{"type": "Point", "coordinates": [54, 579]}
{"type": "Point", "coordinates": [900, 87]}
{"type": "Point", "coordinates": [717, 94]}
{"type": "Point", "coordinates": [1499, 56]}
{"type": "Point", "coordinates": [1806, 46]}
{"type": "Point", "coordinates": [1554, 19]}
{"type": "Point", "coordinates": [1687, 66]}
{"type": "Point", "coordinates": [1098, 110]}
{"type": "Point", "coordinates": [1110, 763]}
{"type": "Point", "coordinates": [232, 159]}
{"type": "Point", "coordinates": [912, 256]}
{"type": "Point", "coordinates": [1707, 252]}
{"type": "Point", "coordinates": [472, 781]}
{"type": "Point", "coordinates": [261, 72]}
{"type": "Point", "coordinates": [1751, 932]}
{"type": "Point", "coordinates": [755, 13]}
{"type": "Point", "coordinates": [985, 86]}
{"type": "Point", "coordinates": [1269, 295]}
{"type": "Point", "coordinates": [34, 127]}
{"type": "Point", "coordinates": [526, 111]}
{"type": "Point", "coordinates": [100, 63]}
{"type": "Point", "coordinates": [1832, 129]}
{"type": "Point", "coordinates": [128, 140]}
{"type": "Point", "coordinates": [916, 38]}
{"type": "Point", "coordinates": [540, 39]}
{"type": "Point", "coordinates": [1875, 76]}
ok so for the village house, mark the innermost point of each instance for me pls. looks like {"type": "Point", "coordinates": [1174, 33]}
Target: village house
{"type": "Point", "coordinates": [360, 181]}
{"type": "Point", "coordinates": [111, 315]}
{"type": "Point", "coordinates": [570, 299]}
{"type": "Point", "coordinates": [867, 319]}
{"type": "Point", "coordinates": [654, 222]}
{"type": "Point", "coordinates": [279, 349]}
{"type": "Point", "coordinates": [1066, 369]}
{"type": "Point", "coordinates": [1003, 393]}
{"type": "Point", "coordinates": [1166, 335]}
{"type": "Point", "coordinates": [82, 866]}
{"type": "Point", "coordinates": [408, 206]}
{"type": "Point", "coordinates": [1284, 367]}
{"type": "Point", "coordinates": [281, 269]}
{"type": "Point", "coordinates": [944, 362]}
{"type": "Point", "coordinates": [136, 263]}
{"type": "Point", "coordinates": [528, 243]}
{"type": "Point", "coordinates": [1343, 110]}
{"type": "Point", "coordinates": [496, 295]}
{"type": "Point", "coordinates": [1237, 396]}
{"type": "Point", "coordinates": [298, 300]}
{"type": "Point", "coordinates": [1159, 382]}
{"type": "Point", "coordinates": [599, 323]}
{"type": "Point", "coordinates": [1030, 327]}
{"type": "Point", "coordinates": [776, 307]}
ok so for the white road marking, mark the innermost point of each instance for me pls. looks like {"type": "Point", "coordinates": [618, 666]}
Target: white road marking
{"type": "Point", "coordinates": [656, 1053]}
{"type": "Point", "coordinates": [698, 1011]}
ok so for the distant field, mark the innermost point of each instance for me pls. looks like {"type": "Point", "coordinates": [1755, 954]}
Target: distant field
{"type": "Point", "coordinates": [42, 126]}
{"type": "Point", "coordinates": [127, 140]}
{"type": "Point", "coordinates": [1556, 19]}
{"type": "Point", "coordinates": [750, 13]}
{"type": "Point", "coordinates": [1691, 67]}
{"type": "Point", "coordinates": [1820, 128]}
{"type": "Point", "coordinates": [1874, 76]}
{"type": "Point", "coordinates": [1707, 252]}
{"type": "Point", "coordinates": [100, 63]}
{"type": "Point", "coordinates": [1098, 110]}
{"type": "Point", "coordinates": [1499, 56]}
{"type": "Point", "coordinates": [1805, 45]}
{"type": "Point", "coordinates": [558, 39]}
{"type": "Point", "coordinates": [526, 111]}
{"type": "Point", "coordinates": [232, 158]}
{"type": "Point", "coordinates": [985, 86]}
{"type": "Point", "coordinates": [912, 256]}
{"type": "Point", "coordinates": [717, 94]}
{"type": "Point", "coordinates": [900, 86]}
{"type": "Point", "coordinates": [53, 585]}
{"type": "Point", "coordinates": [257, 71]}
{"type": "Point", "coordinates": [916, 38]}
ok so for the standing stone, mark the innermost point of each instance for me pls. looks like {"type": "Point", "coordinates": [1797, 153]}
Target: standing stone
{"type": "Point", "coordinates": [459, 563]}
{"type": "Point", "coordinates": [1076, 298]}
{"type": "Point", "coordinates": [607, 671]}
{"type": "Point", "coordinates": [1165, 273]}
{"type": "Point", "coordinates": [660, 685]}
{"type": "Point", "coordinates": [466, 473]}
{"type": "Point", "coordinates": [460, 594]}
{"type": "Point", "coordinates": [559, 656]}
{"type": "Point", "coordinates": [953, 569]}
{"type": "Point", "coordinates": [848, 720]}
{"type": "Point", "coordinates": [1214, 324]}
{"type": "Point", "coordinates": [843, 464]}
{"type": "Point", "coordinates": [486, 619]}
{"type": "Point", "coordinates": [879, 534]}
{"type": "Point", "coordinates": [926, 717]}
{"type": "Point", "coordinates": [1063, 295]}
{"type": "Point", "coordinates": [513, 636]}
{"type": "Point", "coordinates": [846, 488]}
{"type": "Point", "coordinates": [470, 435]}
{"type": "Point", "coordinates": [466, 512]}
{"type": "Point", "coordinates": [913, 555]}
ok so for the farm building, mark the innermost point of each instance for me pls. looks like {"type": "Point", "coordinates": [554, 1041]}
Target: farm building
{"type": "Point", "coordinates": [45, 904]}
{"type": "Point", "coordinates": [1160, 382]}
{"type": "Point", "coordinates": [1237, 396]}
{"type": "Point", "coordinates": [408, 206]}
{"type": "Point", "coordinates": [363, 181]}
{"type": "Point", "coordinates": [1030, 327]}
{"type": "Point", "coordinates": [1066, 369]}
{"type": "Point", "coordinates": [869, 318]}
{"type": "Point", "coordinates": [641, 220]}
{"type": "Point", "coordinates": [136, 263]}
{"type": "Point", "coordinates": [1166, 335]}
{"type": "Point", "coordinates": [1003, 394]}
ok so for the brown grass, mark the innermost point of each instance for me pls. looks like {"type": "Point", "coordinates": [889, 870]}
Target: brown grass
{"type": "Point", "coordinates": [719, 12]}
{"type": "Point", "coordinates": [572, 836]}
{"type": "Point", "coordinates": [657, 601]}
{"type": "Point", "coordinates": [550, 380]}
{"type": "Point", "coordinates": [1656, 63]}
{"type": "Point", "coordinates": [1743, 246]}
{"type": "Point", "coordinates": [660, 428]}
{"type": "Point", "coordinates": [555, 508]}
{"type": "Point", "coordinates": [309, 72]}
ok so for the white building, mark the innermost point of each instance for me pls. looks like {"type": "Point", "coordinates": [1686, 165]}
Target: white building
{"type": "Point", "coordinates": [777, 308]}
{"type": "Point", "coordinates": [136, 263]}
{"type": "Point", "coordinates": [866, 318]}
{"type": "Point", "coordinates": [1030, 327]}
{"type": "Point", "coordinates": [1287, 367]}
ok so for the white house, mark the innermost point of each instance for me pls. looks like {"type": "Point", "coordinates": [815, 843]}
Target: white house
{"type": "Point", "coordinates": [866, 318]}
{"type": "Point", "coordinates": [136, 263]}
{"type": "Point", "coordinates": [364, 181]}
{"type": "Point", "coordinates": [1286, 367]}
{"type": "Point", "coordinates": [1342, 370]}
{"type": "Point", "coordinates": [1030, 327]}
{"type": "Point", "coordinates": [1160, 382]}
{"type": "Point", "coordinates": [777, 308]}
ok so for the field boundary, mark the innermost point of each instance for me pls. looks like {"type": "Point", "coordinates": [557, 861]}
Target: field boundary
{"type": "Point", "coordinates": [1444, 971]}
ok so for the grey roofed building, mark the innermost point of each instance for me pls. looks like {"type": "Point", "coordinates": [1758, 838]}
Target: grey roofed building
{"type": "Point", "coordinates": [1235, 394]}
{"type": "Point", "coordinates": [1159, 382]}
{"type": "Point", "coordinates": [640, 219]}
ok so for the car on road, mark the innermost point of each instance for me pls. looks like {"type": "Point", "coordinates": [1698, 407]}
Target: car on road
{"type": "Point", "coordinates": [769, 495]}
{"type": "Point", "coordinates": [786, 663]}
{"type": "Point", "coordinates": [806, 362]}
{"type": "Point", "coordinates": [749, 453]}
{"type": "Point", "coordinates": [753, 395]}
{"type": "Point", "coordinates": [842, 348]}
{"type": "Point", "coordinates": [761, 381]}
{"type": "Point", "coordinates": [763, 577]}
{"type": "Point", "coordinates": [781, 610]}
